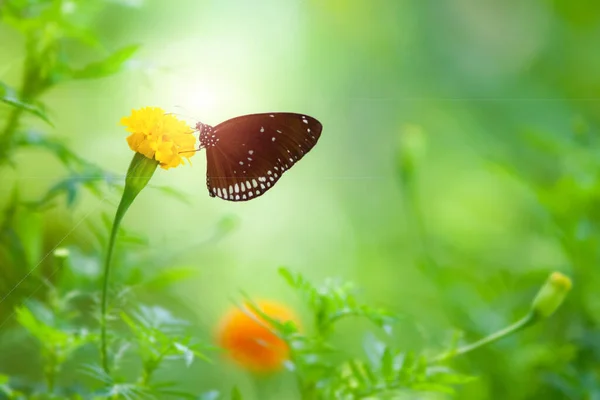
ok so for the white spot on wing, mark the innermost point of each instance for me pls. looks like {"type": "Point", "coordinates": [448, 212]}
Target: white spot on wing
{"type": "Point", "coordinates": [237, 188]}
{"type": "Point", "coordinates": [250, 152]}
{"type": "Point", "coordinates": [254, 183]}
{"type": "Point", "coordinates": [262, 129]}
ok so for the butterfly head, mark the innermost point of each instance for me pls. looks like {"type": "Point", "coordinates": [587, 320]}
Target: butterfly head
{"type": "Point", "coordinates": [206, 135]}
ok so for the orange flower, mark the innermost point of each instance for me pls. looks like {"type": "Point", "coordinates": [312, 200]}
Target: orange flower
{"type": "Point", "coordinates": [250, 340]}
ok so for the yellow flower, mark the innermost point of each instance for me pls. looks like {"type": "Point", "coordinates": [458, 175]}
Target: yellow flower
{"type": "Point", "coordinates": [159, 136]}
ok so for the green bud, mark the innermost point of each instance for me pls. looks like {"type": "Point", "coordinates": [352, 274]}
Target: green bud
{"type": "Point", "coordinates": [61, 253]}
{"type": "Point", "coordinates": [139, 173]}
{"type": "Point", "coordinates": [551, 295]}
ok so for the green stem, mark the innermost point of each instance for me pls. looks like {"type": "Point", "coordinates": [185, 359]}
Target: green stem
{"type": "Point", "coordinates": [139, 173]}
{"type": "Point", "coordinates": [524, 322]}
{"type": "Point", "coordinates": [111, 244]}
{"type": "Point", "coordinates": [11, 125]}
{"type": "Point", "coordinates": [151, 367]}
{"type": "Point", "coordinates": [29, 89]}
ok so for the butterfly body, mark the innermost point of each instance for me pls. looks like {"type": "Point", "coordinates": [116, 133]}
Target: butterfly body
{"type": "Point", "coordinates": [247, 155]}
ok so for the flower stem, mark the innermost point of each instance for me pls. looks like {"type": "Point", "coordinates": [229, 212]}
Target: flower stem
{"type": "Point", "coordinates": [524, 322]}
{"type": "Point", "coordinates": [111, 244]}
{"type": "Point", "coordinates": [139, 173]}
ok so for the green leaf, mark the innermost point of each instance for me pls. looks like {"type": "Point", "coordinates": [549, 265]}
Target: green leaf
{"type": "Point", "coordinates": [9, 96]}
{"type": "Point", "coordinates": [287, 275]}
{"type": "Point", "coordinates": [109, 66]}
{"type": "Point", "coordinates": [446, 376]}
{"type": "Point", "coordinates": [169, 276]}
{"type": "Point", "coordinates": [433, 387]}
{"type": "Point", "coordinates": [4, 379]}
{"type": "Point", "coordinates": [387, 364]}
{"type": "Point", "coordinates": [406, 366]}
{"type": "Point", "coordinates": [357, 372]}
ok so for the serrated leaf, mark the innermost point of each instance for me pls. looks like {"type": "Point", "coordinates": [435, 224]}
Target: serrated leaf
{"type": "Point", "coordinates": [109, 66]}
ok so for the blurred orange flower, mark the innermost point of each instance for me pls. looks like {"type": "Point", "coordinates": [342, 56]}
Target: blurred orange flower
{"type": "Point", "coordinates": [250, 340]}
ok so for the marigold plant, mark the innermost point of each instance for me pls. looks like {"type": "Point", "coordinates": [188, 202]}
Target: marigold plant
{"type": "Point", "coordinates": [157, 138]}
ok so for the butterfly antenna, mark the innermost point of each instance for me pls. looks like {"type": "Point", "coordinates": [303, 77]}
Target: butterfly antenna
{"type": "Point", "coordinates": [186, 115]}
{"type": "Point", "coordinates": [189, 151]}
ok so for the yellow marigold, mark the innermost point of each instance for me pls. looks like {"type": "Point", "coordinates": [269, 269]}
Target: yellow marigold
{"type": "Point", "coordinates": [159, 136]}
{"type": "Point", "coordinates": [249, 339]}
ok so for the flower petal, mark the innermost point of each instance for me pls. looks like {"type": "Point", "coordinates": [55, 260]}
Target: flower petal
{"type": "Point", "coordinates": [160, 136]}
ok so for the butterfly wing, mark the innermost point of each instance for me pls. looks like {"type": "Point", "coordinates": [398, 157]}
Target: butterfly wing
{"type": "Point", "coordinates": [251, 152]}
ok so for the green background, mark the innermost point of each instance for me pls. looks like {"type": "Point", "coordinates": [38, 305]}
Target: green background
{"type": "Point", "coordinates": [505, 188]}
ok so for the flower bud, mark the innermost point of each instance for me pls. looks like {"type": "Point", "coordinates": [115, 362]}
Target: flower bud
{"type": "Point", "coordinates": [551, 295]}
{"type": "Point", "coordinates": [61, 253]}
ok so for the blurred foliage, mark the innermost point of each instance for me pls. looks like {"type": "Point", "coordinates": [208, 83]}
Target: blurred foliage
{"type": "Point", "coordinates": [457, 168]}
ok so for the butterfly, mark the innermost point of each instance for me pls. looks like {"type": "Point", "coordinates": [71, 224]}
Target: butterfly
{"type": "Point", "coordinates": [246, 156]}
